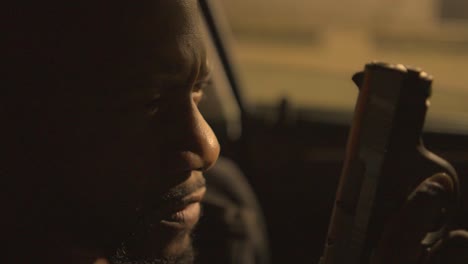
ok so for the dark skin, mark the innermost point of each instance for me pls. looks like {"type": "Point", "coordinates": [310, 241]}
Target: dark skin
{"type": "Point", "coordinates": [102, 134]}
{"type": "Point", "coordinates": [115, 132]}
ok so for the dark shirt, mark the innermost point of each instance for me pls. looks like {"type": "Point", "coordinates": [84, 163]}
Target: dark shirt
{"type": "Point", "coordinates": [232, 228]}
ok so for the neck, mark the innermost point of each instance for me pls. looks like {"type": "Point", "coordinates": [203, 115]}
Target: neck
{"type": "Point", "coordinates": [55, 255]}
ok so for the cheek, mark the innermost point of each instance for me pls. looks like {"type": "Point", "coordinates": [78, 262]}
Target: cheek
{"type": "Point", "coordinates": [106, 155]}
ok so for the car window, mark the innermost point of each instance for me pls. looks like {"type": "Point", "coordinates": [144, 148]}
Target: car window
{"type": "Point", "coordinates": [219, 105]}
{"type": "Point", "coordinates": [307, 50]}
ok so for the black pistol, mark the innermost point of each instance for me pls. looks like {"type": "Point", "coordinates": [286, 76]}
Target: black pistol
{"type": "Point", "coordinates": [385, 160]}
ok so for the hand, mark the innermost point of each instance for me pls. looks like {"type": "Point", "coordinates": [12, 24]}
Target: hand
{"type": "Point", "coordinates": [401, 240]}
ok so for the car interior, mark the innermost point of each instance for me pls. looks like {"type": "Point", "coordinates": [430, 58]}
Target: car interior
{"type": "Point", "coordinates": [281, 98]}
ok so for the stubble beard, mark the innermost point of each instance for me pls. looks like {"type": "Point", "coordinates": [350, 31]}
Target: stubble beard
{"type": "Point", "coordinates": [121, 257]}
{"type": "Point", "coordinates": [142, 229]}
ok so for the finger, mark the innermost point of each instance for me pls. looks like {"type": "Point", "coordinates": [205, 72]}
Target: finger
{"type": "Point", "coordinates": [401, 240]}
{"type": "Point", "coordinates": [423, 208]}
{"type": "Point", "coordinates": [453, 249]}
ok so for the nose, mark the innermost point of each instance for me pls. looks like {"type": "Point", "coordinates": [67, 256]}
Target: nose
{"type": "Point", "coordinates": [190, 142]}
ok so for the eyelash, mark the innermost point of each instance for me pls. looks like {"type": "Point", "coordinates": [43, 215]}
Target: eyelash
{"type": "Point", "coordinates": [198, 89]}
{"type": "Point", "coordinates": [154, 105]}
{"type": "Point", "coordinates": [201, 85]}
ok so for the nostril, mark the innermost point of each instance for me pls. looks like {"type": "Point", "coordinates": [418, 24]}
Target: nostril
{"type": "Point", "coordinates": [211, 157]}
{"type": "Point", "coordinates": [191, 142]}
{"type": "Point", "coordinates": [204, 143]}
{"type": "Point", "coordinates": [183, 161]}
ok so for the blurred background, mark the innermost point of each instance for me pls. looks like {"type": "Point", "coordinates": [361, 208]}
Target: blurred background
{"type": "Point", "coordinates": [307, 50]}
{"type": "Point", "coordinates": [294, 60]}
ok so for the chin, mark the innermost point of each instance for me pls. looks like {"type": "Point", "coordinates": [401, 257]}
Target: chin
{"type": "Point", "coordinates": [184, 255]}
{"type": "Point", "coordinates": [163, 234]}
{"type": "Point", "coordinates": [161, 244]}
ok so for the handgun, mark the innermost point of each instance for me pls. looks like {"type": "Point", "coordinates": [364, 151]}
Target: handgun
{"type": "Point", "coordinates": [385, 160]}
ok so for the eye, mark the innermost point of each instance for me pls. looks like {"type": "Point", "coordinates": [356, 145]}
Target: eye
{"type": "Point", "coordinates": [201, 85]}
{"type": "Point", "coordinates": [155, 104]}
{"type": "Point", "coordinates": [199, 88]}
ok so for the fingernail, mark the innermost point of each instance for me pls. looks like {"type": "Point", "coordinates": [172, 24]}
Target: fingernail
{"type": "Point", "coordinates": [427, 190]}
{"type": "Point", "coordinates": [444, 180]}
{"type": "Point", "coordinates": [434, 187]}
{"type": "Point", "coordinates": [430, 198]}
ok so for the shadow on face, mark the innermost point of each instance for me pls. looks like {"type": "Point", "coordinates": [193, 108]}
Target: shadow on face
{"type": "Point", "coordinates": [101, 120]}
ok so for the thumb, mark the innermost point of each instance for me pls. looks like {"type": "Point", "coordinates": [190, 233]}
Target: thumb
{"type": "Point", "coordinates": [452, 249]}
{"type": "Point", "coordinates": [401, 240]}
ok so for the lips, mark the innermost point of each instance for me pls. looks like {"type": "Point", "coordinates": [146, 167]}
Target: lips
{"type": "Point", "coordinates": [165, 222]}
{"type": "Point", "coordinates": [184, 213]}
{"type": "Point", "coordinates": [176, 210]}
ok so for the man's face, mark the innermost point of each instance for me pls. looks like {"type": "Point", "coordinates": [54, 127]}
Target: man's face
{"type": "Point", "coordinates": [118, 143]}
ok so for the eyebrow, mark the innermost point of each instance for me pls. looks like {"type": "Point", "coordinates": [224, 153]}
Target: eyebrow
{"type": "Point", "coordinates": [173, 77]}
{"type": "Point", "coordinates": [204, 73]}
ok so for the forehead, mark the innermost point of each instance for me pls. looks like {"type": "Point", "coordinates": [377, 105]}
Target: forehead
{"type": "Point", "coordinates": [169, 38]}
{"type": "Point", "coordinates": [147, 39]}
{"type": "Point", "coordinates": [87, 46]}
